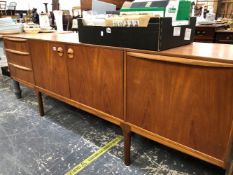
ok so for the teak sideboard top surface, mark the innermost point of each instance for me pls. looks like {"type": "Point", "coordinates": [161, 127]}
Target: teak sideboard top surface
{"type": "Point", "coordinates": [181, 97]}
{"type": "Point", "coordinates": [196, 50]}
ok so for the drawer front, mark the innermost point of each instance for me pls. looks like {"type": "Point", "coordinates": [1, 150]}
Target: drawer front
{"type": "Point", "coordinates": [16, 44]}
{"type": "Point", "coordinates": [19, 59]}
{"type": "Point", "coordinates": [205, 32]}
{"type": "Point", "coordinates": [21, 73]}
{"type": "Point", "coordinates": [224, 38]}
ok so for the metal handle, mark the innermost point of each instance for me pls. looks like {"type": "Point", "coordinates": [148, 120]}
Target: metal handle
{"type": "Point", "coordinates": [180, 60]}
{"type": "Point", "coordinates": [70, 53]}
{"type": "Point", "coordinates": [60, 51]}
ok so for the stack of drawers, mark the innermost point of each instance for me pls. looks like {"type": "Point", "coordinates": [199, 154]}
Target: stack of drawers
{"type": "Point", "coordinates": [19, 60]}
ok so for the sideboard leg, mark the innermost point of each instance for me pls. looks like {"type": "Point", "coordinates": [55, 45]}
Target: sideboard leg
{"type": "Point", "coordinates": [16, 89]}
{"type": "Point", "coordinates": [127, 143]}
{"type": "Point", "coordinates": [229, 160]}
{"type": "Point", "coordinates": [229, 170]}
{"type": "Point", "coordinates": [40, 103]}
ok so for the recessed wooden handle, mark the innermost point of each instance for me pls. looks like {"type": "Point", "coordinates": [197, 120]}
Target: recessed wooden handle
{"type": "Point", "coordinates": [15, 39]}
{"type": "Point", "coordinates": [60, 51]}
{"type": "Point", "coordinates": [70, 53]}
{"type": "Point", "coordinates": [20, 67]}
{"type": "Point", "coordinates": [180, 60]}
{"type": "Point", "coordinates": [17, 52]}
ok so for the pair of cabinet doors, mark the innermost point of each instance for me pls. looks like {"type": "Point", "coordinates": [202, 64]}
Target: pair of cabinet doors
{"type": "Point", "coordinates": [91, 76]}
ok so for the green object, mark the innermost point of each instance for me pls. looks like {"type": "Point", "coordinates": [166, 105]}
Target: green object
{"type": "Point", "coordinates": [142, 9]}
{"type": "Point", "coordinates": [183, 10]}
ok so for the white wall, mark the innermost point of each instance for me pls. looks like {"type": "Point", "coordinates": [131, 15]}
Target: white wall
{"type": "Point", "coordinates": [68, 4]}
{"type": "Point", "coordinates": [26, 4]}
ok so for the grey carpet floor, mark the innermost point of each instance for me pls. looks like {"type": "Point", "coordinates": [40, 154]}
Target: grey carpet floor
{"type": "Point", "coordinates": [65, 136]}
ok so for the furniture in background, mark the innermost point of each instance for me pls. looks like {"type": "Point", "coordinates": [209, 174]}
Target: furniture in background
{"type": "Point", "coordinates": [222, 8]}
{"type": "Point", "coordinates": [2, 8]}
{"type": "Point", "coordinates": [3, 61]}
{"type": "Point", "coordinates": [224, 36]}
{"type": "Point", "coordinates": [67, 20]}
{"type": "Point", "coordinates": [208, 4]}
{"type": "Point", "coordinates": [206, 33]}
{"type": "Point", "coordinates": [55, 5]}
{"type": "Point", "coordinates": [11, 8]}
{"type": "Point", "coordinates": [225, 8]}
{"type": "Point", "coordinates": [46, 8]}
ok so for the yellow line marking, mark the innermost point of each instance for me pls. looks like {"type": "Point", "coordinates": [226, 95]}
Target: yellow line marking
{"type": "Point", "coordinates": [94, 156]}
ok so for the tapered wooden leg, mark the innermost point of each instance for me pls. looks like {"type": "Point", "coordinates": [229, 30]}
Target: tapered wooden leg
{"type": "Point", "coordinates": [229, 170]}
{"type": "Point", "coordinates": [40, 103]}
{"type": "Point", "coordinates": [127, 143]}
{"type": "Point", "coordinates": [16, 89]}
{"type": "Point", "coordinates": [229, 160]}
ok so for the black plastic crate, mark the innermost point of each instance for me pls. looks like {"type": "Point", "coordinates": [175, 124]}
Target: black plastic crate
{"type": "Point", "coordinates": [158, 35]}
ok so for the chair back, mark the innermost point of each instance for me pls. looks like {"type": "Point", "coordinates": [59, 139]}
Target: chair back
{"type": "Point", "coordinates": [12, 6]}
{"type": "Point", "coordinates": [2, 5]}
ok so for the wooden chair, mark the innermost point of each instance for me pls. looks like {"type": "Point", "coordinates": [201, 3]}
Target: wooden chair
{"type": "Point", "coordinates": [12, 7]}
{"type": "Point", "coordinates": [2, 8]}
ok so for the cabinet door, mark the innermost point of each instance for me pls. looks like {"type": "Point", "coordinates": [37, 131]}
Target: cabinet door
{"type": "Point", "coordinates": [96, 78]}
{"type": "Point", "coordinates": [189, 104]}
{"type": "Point", "coordinates": [49, 67]}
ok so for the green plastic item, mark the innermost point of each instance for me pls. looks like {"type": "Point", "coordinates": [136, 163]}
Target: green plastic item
{"type": "Point", "coordinates": [184, 9]}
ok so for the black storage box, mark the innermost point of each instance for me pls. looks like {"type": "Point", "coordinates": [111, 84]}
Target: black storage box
{"type": "Point", "coordinates": [158, 35]}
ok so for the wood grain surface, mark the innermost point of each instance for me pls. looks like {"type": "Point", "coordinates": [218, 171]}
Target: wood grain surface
{"type": "Point", "coordinates": [199, 51]}
{"type": "Point", "coordinates": [96, 78]}
{"type": "Point", "coordinates": [191, 105]}
{"type": "Point", "coordinates": [16, 44]}
{"type": "Point", "coordinates": [21, 60]}
{"type": "Point", "coordinates": [180, 97]}
{"type": "Point", "coordinates": [22, 73]}
{"type": "Point", "coordinates": [181, 60]}
{"type": "Point", "coordinates": [204, 51]}
{"type": "Point", "coordinates": [49, 68]}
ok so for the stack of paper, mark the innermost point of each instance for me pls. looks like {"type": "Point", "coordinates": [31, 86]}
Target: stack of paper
{"type": "Point", "coordinates": [8, 25]}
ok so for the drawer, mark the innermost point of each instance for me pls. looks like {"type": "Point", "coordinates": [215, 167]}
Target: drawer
{"type": "Point", "coordinates": [16, 44]}
{"type": "Point", "coordinates": [204, 32]}
{"type": "Point", "coordinates": [208, 39]}
{"type": "Point", "coordinates": [21, 73]}
{"type": "Point", "coordinates": [224, 37]}
{"type": "Point", "coordinates": [19, 58]}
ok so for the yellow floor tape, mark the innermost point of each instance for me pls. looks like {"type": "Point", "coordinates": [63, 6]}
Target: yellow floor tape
{"type": "Point", "coordinates": [94, 156]}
